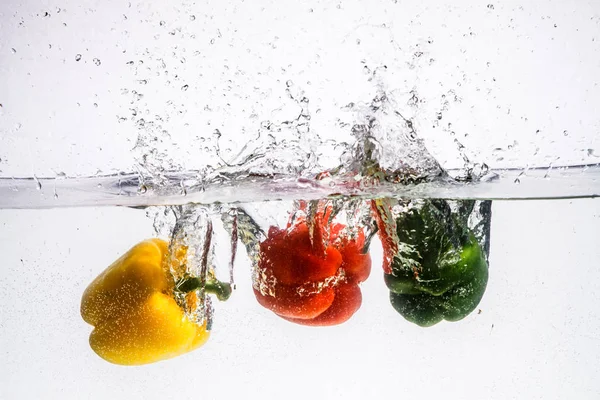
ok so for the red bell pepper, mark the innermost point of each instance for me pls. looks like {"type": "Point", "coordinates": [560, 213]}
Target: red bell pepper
{"type": "Point", "coordinates": [312, 282]}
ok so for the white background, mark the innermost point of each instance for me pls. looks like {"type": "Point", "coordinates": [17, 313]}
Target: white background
{"type": "Point", "coordinates": [516, 84]}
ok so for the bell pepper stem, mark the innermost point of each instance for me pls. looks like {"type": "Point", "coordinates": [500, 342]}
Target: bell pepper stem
{"type": "Point", "coordinates": [220, 289]}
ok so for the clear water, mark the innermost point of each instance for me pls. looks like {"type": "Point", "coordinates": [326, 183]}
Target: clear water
{"type": "Point", "coordinates": [538, 319]}
{"type": "Point", "coordinates": [182, 188]}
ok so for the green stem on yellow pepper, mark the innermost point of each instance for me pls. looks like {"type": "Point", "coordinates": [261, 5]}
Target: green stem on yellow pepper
{"type": "Point", "coordinates": [220, 289]}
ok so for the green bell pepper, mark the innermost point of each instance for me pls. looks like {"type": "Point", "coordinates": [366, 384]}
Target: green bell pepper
{"type": "Point", "coordinates": [439, 271]}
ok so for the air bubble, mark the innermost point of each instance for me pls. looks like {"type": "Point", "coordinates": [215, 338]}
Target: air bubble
{"type": "Point", "coordinates": [97, 62]}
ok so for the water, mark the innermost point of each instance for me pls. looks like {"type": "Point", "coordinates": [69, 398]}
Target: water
{"type": "Point", "coordinates": [538, 317]}
{"type": "Point", "coordinates": [191, 187]}
{"type": "Point", "coordinates": [530, 317]}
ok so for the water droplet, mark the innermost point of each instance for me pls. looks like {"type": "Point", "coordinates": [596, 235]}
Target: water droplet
{"type": "Point", "coordinates": [289, 83]}
{"type": "Point", "coordinates": [490, 6]}
{"type": "Point", "coordinates": [185, 87]}
{"type": "Point", "coordinates": [162, 23]}
{"type": "Point", "coordinates": [77, 57]}
{"type": "Point", "coordinates": [38, 184]}
{"type": "Point", "coordinates": [142, 81]}
{"type": "Point", "coordinates": [142, 189]}
{"type": "Point", "coordinates": [97, 61]}
{"type": "Point", "coordinates": [95, 105]}
{"type": "Point", "coordinates": [13, 50]}
{"type": "Point", "coordinates": [565, 133]}
{"type": "Point", "coordinates": [55, 194]}
{"type": "Point", "coordinates": [61, 175]}
{"type": "Point", "coordinates": [192, 17]}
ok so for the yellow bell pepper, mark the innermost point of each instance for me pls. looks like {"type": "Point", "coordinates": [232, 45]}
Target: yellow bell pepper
{"type": "Point", "coordinates": [133, 309]}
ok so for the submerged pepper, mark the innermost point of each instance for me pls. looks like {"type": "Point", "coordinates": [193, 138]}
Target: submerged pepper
{"type": "Point", "coordinates": [308, 282]}
{"type": "Point", "coordinates": [434, 268]}
{"type": "Point", "coordinates": [133, 309]}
